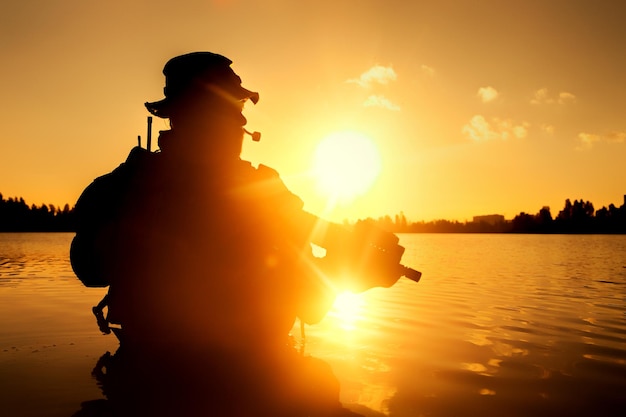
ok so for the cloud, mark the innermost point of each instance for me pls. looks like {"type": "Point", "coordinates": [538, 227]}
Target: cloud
{"type": "Point", "coordinates": [378, 74]}
{"type": "Point", "coordinates": [487, 94]}
{"type": "Point", "coordinates": [615, 137]}
{"type": "Point", "coordinates": [542, 96]}
{"type": "Point", "coordinates": [480, 130]}
{"type": "Point", "coordinates": [380, 101]}
{"type": "Point", "coordinates": [430, 71]}
{"type": "Point", "coordinates": [588, 140]}
{"type": "Point", "coordinates": [565, 97]}
{"type": "Point", "coordinates": [375, 75]}
{"type": "Point", "coordinates": [546, 128]}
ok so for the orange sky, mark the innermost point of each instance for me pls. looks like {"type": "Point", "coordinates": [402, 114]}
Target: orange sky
{"type": "Point", "coordinates": [476, 107]}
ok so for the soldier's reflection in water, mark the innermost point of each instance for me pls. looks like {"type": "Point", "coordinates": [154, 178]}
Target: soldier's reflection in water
{"type": "Point", "coordinates": [209, 385]}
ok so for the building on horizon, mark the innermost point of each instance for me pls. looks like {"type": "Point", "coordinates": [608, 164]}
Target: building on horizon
{"type": "Point", "coordinates": [491, 219]}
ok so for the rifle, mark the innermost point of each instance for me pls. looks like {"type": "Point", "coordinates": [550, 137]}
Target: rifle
{"type": "Point", "coordinates": [369, 248]}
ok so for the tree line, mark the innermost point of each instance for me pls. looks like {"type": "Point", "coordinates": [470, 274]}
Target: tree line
{"type": "Point", "coordinates": [576, 217]}
{"type": "Point", "coordinates": [17, 216]}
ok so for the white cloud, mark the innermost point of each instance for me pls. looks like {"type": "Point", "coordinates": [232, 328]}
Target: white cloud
{"type": "Point", "coordinates": [378, 74]}
{"type": "Point", "coordinates": [487, 94]}
{"type": "Point", "coordinates": [588, 140]}
{"type": "Point", "coordinates": [480, 130]}
{"type": "Point", "coordinates": [430, 71]}
{"type": "Point", "coordinates": [380, 101]}
{"type": "Point", "coordinates": [519, 131]}
{"type": "Point", "coordinates": [565, 97]}
{"type": "Point", "coordinates": [546, 128]}
{"type": "Point", "coordinates": [542, 96]}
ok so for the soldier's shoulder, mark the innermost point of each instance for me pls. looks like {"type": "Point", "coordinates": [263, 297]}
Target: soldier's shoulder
{"type": "Point", "coordinates": [266, 171]}
{"type": "Point", "coordinates": [139, 158]}
{"type": "Point", "coordinates": [276, 189]}
{"type": "Point", "coordinates": [137, 165]}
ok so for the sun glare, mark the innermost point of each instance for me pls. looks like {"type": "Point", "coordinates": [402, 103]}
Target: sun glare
{"type": "Point", "coordinates": [347, 309]}
{"type": "Point", "coordinates": [345, 165]}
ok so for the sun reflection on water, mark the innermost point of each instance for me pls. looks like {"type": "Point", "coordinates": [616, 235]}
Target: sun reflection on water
{"type": "Point", "coordinates": [347, 310]}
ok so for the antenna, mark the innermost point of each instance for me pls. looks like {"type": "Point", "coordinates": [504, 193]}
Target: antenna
{"type": "Point", "coordinates": [149, 136]}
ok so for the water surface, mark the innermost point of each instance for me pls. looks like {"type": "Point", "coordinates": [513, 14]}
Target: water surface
{"type": "Point", "coordinates": [500, 325]}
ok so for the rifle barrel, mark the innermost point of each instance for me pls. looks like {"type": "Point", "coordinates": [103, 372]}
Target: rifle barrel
{"type": "Point", "coordinates": [411, 273]}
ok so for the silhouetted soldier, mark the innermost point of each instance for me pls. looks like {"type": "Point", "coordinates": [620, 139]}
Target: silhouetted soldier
{"type": "Point", "coordinates": [209, 259]}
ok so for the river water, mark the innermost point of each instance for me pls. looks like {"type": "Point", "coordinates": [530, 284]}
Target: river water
{"type": "Point", "coordinates": [500, 325]}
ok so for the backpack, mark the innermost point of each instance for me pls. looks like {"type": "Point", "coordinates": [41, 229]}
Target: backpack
{"type": "Point", "coordinates": [96, 208]}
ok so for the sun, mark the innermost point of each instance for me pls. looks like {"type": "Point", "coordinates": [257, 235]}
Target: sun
{"type": "Point", "coordinates": [345, 165]}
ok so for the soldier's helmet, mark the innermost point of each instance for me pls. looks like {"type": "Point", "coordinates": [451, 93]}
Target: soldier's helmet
{"type": "Point", "coordinates": [198, 72]}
